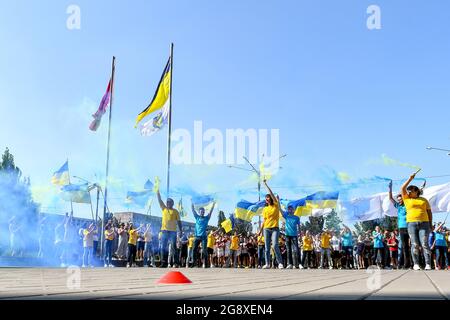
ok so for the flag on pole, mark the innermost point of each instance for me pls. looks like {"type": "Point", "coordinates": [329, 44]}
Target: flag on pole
{"type": "Point", "coordinates": [157, 123]}
{"type": "Point", "coordinates": [180, 208]}
{"type": "Point", "coordinates": [61, 177]}
{"type": "Point", "coordinates": [101, 109]}
{"type": "Point", "coordinates": [76, 193]}
{"type": "Point", "coordinates": [161, 95]}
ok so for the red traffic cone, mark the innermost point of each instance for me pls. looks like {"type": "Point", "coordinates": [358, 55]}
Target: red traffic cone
{"type": "Point", "coordinates": [173, 277]}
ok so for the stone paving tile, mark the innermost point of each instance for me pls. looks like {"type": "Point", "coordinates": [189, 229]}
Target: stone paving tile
{"type": "Point", "coordinates": [211, 284]}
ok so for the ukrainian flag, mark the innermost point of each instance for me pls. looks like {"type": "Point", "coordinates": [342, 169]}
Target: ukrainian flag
{"type": "Point", "coordinates": [299, 207]}
{"type": "Point", "coordinates": [316, 204]}
{"type": "Point", "coordinates": [76, 193]}
{"type": "Point", "coordinates": [246, 210]}
{"type": "Point", "coordinates": [61, 177]}
{"type": "Point", "coordinates": [203, 201]}
{"type": "Point", "coordinates": [227, 225]}
{"type": "Point", "coordinates": [161, 94]}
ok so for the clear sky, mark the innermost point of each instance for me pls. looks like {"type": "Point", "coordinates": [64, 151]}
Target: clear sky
{"type": "Point", "coordinates": [342, 95]}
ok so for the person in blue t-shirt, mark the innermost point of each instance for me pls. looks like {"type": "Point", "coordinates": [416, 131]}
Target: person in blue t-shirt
{"type": "Point", "coordinates": [201, 224]}
{"type": "Point", "coordinates": [440, 245]}
{"type": "Point", "coordinates": [292, 228]}
{"type": "Point", "coordinates": [378, 247]}
{"type": "Point", "coordinates": [347, 246]}
{"type": "Point", "coordinates": [404, 251]}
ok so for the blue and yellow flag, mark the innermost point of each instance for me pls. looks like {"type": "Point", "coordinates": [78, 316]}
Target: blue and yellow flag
{"type": "Point", "coordinates": [78, 193]}
{"type": "Point", "coordinates": [246, 210]}
{"type": "Point", "coordinates": [316, 204]}
{"type": "Point", "coordinates": [203, 201]}
{"type": "Point", "coordinates": [228, 224]}
{"type": "Point", "coordinates": [161, 94]}
{"type": "Point", "coordinates": [180, 208]}
{"type": "Point", "coordinates": [61, 177]}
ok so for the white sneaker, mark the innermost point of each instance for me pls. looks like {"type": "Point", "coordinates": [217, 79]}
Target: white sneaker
{"type": "Point", "coordinates": [111, 266]}
{"type": "Point", "coordinates": [204, 266]}
{"type": "Point", "coordinates": [416, 267]}
{"type": "Point", "coordinates": [266, 266]}
{"type": "Point", "coordinates": [319, 268]}
{"type": "Point", "coordinates": [105, 266]}
{"type": "Point", "coordinates": [289, 266]}
{"type": "Point", "coordinates": [128, 265]}
{"type": "Point", "coordinates": [330, 268]}
{"type": "Point", "coordinates": [427, 267]}
{"type": "Point", "coordinates": [213, 266]}
{"type": "Point", "coordinates": [301, 267]}
{"type": "Point", "coordinates": [280, 266]}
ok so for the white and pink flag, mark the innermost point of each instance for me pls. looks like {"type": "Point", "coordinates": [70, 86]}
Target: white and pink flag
{"type": "Point", "coordinates": [101, 109]}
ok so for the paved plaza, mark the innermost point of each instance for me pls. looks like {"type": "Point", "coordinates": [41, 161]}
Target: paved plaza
{"type": "Point", "coordinates": [228, 284]}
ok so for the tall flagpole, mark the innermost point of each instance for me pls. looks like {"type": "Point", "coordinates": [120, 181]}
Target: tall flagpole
{"type": "Point", "coordinates": [105, 196]}
{"type": "Point", "coordinates": [170, 121]}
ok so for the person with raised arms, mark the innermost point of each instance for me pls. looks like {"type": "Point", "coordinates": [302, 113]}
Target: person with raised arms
{"type": "Point", "coordinates": [270, 225]}
{"type": "Point", "coordinates": [170, 219]}
{"type": "Point", "coordinates": [201, 224]}
{"type": "Point", "coordinates": [419, 219]}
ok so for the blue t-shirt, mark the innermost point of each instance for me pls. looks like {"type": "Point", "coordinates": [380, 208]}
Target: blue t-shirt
{"type": "Point", "coordinates": [347, 239]}
{"type": "Point", "coordinates": [291, 224]}
{"type": "Point", "coordinates": [201, 223]}
{"type": "Point", "coordinates": [440, 239]}
{"type": "Point", "coordinates": [401, 215]}
{"type": "Point", "coordinates": [378, 241]}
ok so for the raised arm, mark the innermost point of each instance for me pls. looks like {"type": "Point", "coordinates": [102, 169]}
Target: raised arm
{"type": "Point", "coordinates": [212, 209]}
{"type": "Point", "coordinates": [406, 184]}
{"type": "Point", "coordinates": [270, 192]}
{"type": "Point", "coordinates": [194, 212]}
{"type": "Point", "coordinates": [390, 194]}
{"type": "Point", "coordinates": [161, 203]}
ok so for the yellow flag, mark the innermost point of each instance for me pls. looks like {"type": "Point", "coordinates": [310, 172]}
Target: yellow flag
{"type": "Point", "coordinates": [161, 94]}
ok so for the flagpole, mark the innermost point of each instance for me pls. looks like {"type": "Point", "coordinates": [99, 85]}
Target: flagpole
{"type": "Point", "coordinates": [68, 172]}
{"type": "Point", "coordinates": [105, 196]}
{"type": "Point", "coordinates": [169, 121]}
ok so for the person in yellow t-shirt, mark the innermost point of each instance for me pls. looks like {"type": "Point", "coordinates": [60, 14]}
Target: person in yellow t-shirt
{"type": "Point", "coordinates": [233, 249]}
{"type": "Point", "coordinates": [261, 246]}
{"type": "Point", "coordinates": [190, 255]}
{"type": "Point", "coordinates": [170, 220]}
{"type": "Point", "coordinates": [210, 247]}
{"type": "Point", "coordinates": [132, 240]}
{"type": "Point", "coordinates": [307, 249]}
{"type": "Point", "coordinates": [109, 240]}
{"type": "Point", "coordinates": [419, 219]}
{"type": "Point", "coordinates": [325, 249]}
{"type": "Point", "coordinates": [270, 225]}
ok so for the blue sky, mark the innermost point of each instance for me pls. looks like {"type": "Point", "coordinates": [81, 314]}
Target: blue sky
{"type": "Point", "coordinates": [341, 95]}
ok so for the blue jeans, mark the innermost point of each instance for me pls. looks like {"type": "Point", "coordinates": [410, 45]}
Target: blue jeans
{"type": "Point", "coordinates": [271, 236]}
{"type": "Point", "coordinates": [348, 251]}
{"type": "Point", "coordinates": [327, 252]}
{"type": "Point", "coordinates": [148, 253]}
{"type": "Point", "coordinates": [441, 251]}
{"type": "Point", "coordinates": [87, 255]}
{"type": "Point", "coordinates": [166, 237]}
{"type": "Point", "coordinates": [419, 232]}
{"type": "Point", "coordinates": [260, 255]}
{"type": "Point", "coordinates": [197, 241]}
{"type": "Point", "coordinates": [292, 250]}
{"type": "Point", "coordinates": [108, 251]}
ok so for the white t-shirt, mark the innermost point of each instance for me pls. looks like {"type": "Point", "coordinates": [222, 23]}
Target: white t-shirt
{"type": "Point", "coordinates": [335, 242]}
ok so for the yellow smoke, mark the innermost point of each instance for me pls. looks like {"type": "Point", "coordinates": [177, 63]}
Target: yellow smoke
{"type": "Point", "coordinates": [392, 162]}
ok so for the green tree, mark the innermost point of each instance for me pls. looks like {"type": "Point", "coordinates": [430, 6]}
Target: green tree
{"type": "Point", "coordinates": [332, 221]}
{"type": "Point", "coordinates": [315, 224]}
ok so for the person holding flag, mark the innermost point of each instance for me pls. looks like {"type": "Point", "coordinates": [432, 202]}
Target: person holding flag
{"type": "Point", "coordinates": [201, 224]}
{"type": "Point", "coordinates": [170, 220]}
{"type": "Point", "coordinates": [270, 225]}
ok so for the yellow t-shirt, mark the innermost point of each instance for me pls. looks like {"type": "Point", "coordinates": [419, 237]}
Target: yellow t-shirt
{"type": "Point", "coordinates": [108, 235]}
{"type": "Point", "coordinates": [261, 241]}
{"type": "Point", "coordinates": [169, 219]}
{"type": "Point", "coordinates": [307, 243]}
{"type": "Point", "coordinates": [211, 241]}
{"type": "Point", "coordinates": [325, 240]}
{"type": "Point", "coordinates": [191, 242]}
{"type": "Point", "coordinates": [234, 243]}
{"type": "Point", "coordinates": [271, 216]}
{"type": "Point", "coordinates": [133, 235]}
{"type": "Point", "coordinates": [416, 209]}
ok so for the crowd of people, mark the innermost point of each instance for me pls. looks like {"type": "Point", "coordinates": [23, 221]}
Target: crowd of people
{"type": "Point", "coordinates": [416, 243]}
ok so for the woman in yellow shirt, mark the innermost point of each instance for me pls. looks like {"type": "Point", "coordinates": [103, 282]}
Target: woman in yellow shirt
{"type": "Point", "coordinates": [419, 219]}
{"type": "Point", "coordinates": [271, 216]}
{"type": "Point", "coordinates": [306, 250]}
